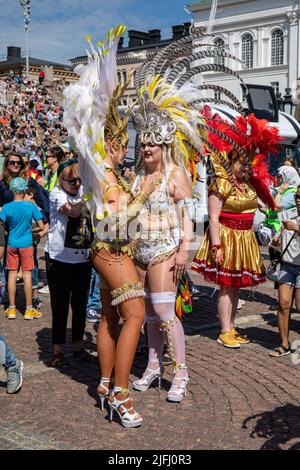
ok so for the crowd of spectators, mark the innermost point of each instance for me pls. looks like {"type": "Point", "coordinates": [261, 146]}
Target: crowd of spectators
{"type": "Point", "coordinates": [30, 118]}
{"type": "Point", "coordinates": [33, 145]}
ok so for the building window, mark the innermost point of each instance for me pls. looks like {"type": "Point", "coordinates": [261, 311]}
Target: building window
{"type": "Point", "coordinates": [124, 76]}
{"type": "Point", "coordinates": [119, 77]}
{"type": "Point", "coordinates": [247, 51]}
{"type": "Point", "coordinates": [277, 48]}
{"type": "Point", "coordinates": [124, 102]}
{"type": "Point", "coordinates": [219, 46]}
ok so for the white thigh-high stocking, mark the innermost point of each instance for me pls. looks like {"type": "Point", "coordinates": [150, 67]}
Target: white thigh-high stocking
{"type": "Point", "coordinates": [163, 304]}
{"type": "Point", "coordinates": [156, 338]}
{"type": "Point", "coordinates": [156, 342]}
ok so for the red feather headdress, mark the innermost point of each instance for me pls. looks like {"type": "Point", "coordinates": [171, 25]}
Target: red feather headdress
{"type": "Point", "coordinates": [252, 136]}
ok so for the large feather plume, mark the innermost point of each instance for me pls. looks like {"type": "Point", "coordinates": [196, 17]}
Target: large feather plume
{"type": "Point", "coordinates": [86, 109]}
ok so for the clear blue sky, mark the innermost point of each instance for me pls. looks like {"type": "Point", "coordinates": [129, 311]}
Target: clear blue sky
{"type": "Point", "coordinates": [58, 27]}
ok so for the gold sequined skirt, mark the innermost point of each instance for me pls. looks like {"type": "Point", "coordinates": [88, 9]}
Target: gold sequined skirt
{"type": "Point", "coordinates": [242, 266]}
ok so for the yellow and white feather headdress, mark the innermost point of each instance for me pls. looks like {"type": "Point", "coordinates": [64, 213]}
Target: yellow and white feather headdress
{"type": "Point", "coordinates": [171, 105]}
{"type": "Point", "coordinates": [91, 115]}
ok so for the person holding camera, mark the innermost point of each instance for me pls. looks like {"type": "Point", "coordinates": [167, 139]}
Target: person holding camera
{"type": "Point", "coordinates": [289, 277]}
{"type": "Point", "coordinates": [67, 262]}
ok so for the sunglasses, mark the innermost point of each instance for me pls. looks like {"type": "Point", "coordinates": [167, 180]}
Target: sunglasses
{"type": "Point", "coordinates": [14, 163]}
{"type": "Point", "coordinates": [73, 182]}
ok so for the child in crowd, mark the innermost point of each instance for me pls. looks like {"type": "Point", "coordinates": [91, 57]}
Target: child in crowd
{"type": "Point", "coordinates": [37, 234]}
{"type": "Point", "coordinates": [18, 216]}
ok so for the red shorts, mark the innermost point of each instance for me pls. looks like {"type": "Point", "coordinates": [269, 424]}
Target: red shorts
{"type": "Point", "coordinates": [17, 257]}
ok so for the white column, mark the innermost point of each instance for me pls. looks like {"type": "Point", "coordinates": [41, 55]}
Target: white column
{"type": "Point", "coordinates": [260, 47]}
{"type": "Point", "coordinates": [266, 52]}
{"type": "Point", "coordinates": [255, 53]}
{"type": "Point", "coordinates": [231, 62]}
{"type": "Point", "coordinates": [292, 47]}
{"type": "Point", "coordinates": [237, 50]}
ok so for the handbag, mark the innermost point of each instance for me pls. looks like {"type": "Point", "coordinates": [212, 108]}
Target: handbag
{"type": "Point", "coordinates": [265, 234]}
{"type": "Point", "coordinates": [79, 232]}
{"type": "Point", "coordinates": [273, 270]}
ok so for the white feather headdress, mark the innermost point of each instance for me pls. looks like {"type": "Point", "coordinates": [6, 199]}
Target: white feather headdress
{"type": "Point", "coordinates": [91, 116]}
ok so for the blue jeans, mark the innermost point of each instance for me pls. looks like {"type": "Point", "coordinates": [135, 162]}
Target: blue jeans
{"type": "Point", "coordinates": [7, 358]}
{"type": "Point", "coordinates": [289, 275]}
{"type": "Point", "coordinates": [94, 301]}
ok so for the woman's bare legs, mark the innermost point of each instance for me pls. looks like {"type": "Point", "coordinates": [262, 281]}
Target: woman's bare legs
{"type": "Point", "coordinates": [285, 293]}
{"type": "Point", "coordinates": [235, 301]}
{"type": "Point", "coordinates": [227, 305]}
{"type": "Point", "coordinates": [118, 353]}
{"type": "Point", "coordinates": [131, 311]}
{"type": "Point", "coordinates": [297, 299]}
{"type": "Point", "coordinates": [106, 335]}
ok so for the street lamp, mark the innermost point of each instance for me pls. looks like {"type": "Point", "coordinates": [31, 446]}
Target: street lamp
{"type": "Point", "coordinates": [25, 4]}
{"type": "Point", "coordinates": [288, 101]}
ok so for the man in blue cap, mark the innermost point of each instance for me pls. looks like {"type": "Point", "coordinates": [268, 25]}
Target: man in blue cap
{"type": "Point", "coordinates": [18, 216]}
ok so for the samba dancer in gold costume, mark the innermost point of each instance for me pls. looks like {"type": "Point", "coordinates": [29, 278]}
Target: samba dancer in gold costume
{"type": "Point", "coordinates": [229, 254]}
{"type": "Point", "coordinates": [100, 134]}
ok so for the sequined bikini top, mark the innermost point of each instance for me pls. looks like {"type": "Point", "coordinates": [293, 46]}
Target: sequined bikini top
{"type": "Point", "coordinates": [158, 202]}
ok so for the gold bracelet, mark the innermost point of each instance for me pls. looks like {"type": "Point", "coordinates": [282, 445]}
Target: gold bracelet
{"type": "Point", "coordinates": [142, 197]}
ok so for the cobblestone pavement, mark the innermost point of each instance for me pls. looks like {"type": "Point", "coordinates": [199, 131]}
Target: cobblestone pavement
{"type": "Point", "coordinates": [237, 399]}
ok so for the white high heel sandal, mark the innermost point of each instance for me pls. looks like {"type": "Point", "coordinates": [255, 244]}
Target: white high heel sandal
{"type": "Point", "coordinates": [179, 387]}
{"type": "Point", "coordinates": [128, 420]}
{"type": "Point", "coordinates": [103, 396]}
{"type": "Point", "coordinates": [149, 376]}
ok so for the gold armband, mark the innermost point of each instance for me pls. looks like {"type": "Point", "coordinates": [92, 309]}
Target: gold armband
{"type": "Point", "coordinates": [123, 218]}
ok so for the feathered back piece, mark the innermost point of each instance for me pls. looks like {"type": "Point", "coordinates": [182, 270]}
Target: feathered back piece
{"type": "Point", "coordinates": [91, 116]}
{"type": "Point", "coordinates": [169, 101]}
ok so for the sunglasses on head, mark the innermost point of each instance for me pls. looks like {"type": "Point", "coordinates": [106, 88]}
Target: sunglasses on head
{"type": "Point", "coordinates": [73, 181]}
{"type": "Point", "coordinates": [14, 162]}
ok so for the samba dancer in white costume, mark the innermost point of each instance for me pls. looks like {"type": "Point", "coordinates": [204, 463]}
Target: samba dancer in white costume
{"type": "Point", "coordinates": [169, 136]}
{"type": "Point", "coordinates": [172, 131]}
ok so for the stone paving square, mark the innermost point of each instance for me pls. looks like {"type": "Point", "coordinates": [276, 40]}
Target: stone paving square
{"type": "Point", "coordinates": [237, 399]}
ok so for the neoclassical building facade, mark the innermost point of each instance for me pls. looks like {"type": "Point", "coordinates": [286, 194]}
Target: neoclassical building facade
{"type": "Point", "coordinates": [264, 34]}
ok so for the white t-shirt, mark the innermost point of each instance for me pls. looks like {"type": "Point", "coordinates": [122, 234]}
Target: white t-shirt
{"type": "Point", "coordinates": [55, 245]}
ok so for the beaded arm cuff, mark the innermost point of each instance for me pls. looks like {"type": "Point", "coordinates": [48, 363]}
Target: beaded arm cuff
{"type": "Point", "coordinates": [122, 218]}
